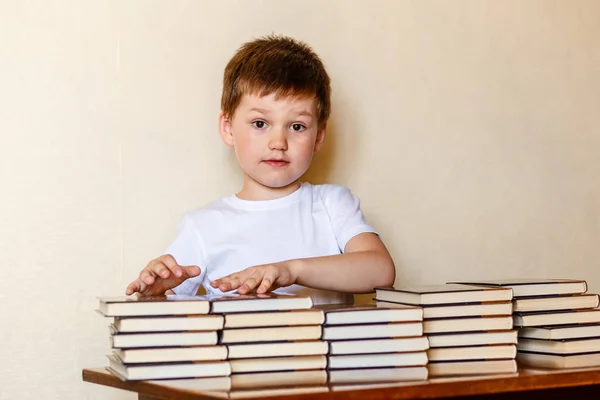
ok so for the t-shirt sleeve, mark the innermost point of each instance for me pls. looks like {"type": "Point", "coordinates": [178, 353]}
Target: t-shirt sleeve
{"type": "Point", "coordinates": [187, 249]}
{"type": "Point", "coordinates": [345, 214]}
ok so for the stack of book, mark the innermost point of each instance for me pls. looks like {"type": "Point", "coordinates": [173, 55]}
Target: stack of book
{"type": "Point", "coordinates": [469, 328]}
{"type": "Point", "coordinates": [160, 337]}
{"type": "Point", "coordinates": [371, 344]}
{"type": "Point", "coordinates": [558, 321]}
{"type": "Point", "coordinates": [273, 340]}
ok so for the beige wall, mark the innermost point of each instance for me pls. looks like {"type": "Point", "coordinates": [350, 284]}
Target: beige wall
{"type": "Point", "coordinates": [469, 129]}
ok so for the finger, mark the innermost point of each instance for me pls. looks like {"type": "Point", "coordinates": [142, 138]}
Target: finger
{"type": "Point", "coordinates": [169, 292]}
{"type": "Point", "coordinates": [267, 281]}
{"type": "Point", "coordinates": [224, 282]}
{"type": "Point", "coordinates": [248, 285]}
{"type": "Point", "coordinates": [159, 268]}
{"type": "Point", "coordinates": [172, 266]}
{"type": "Point", "coordinates": [147, 276]}
{"type": "Point", "coordinates": [135, 286]}
{"type": "Point", "coordinates": [191, 270]}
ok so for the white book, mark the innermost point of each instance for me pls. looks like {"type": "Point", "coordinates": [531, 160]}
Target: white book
{"type": "Point", "coordinates": [561, 331]}
{"type": "Point", "coordinates": [523, 287]}
{"type": "Point", "coordinates": [472, 353]}
{"type": "Point", "coordinates": [377, 360]}
{"type": "Point", "coordinates": [562, 346]}
{"type": "Point", "coordinates": [282, 349]}
{"type": "Point", "coordinates": [372, 331]}
{"type": "Point", "coordinates": [543, 318]}
{"type": "Point", "coordinates": [459, 310]}
{"type": "Point", "coordinates": [139, 305]}
{"type": "Point", "coordinates": [472, 338]}
{"type": "Point", "coordinates": [171, 354]}
{"type": "Point", "coordinates": [442, 294]}
{"type": "Point", "coordinates": [550, 303]}
{"type": "Point", "coordinates": [373, 346]}
{"type": "Point", "coordinates": [271, 334]}
{"type": "Point", "coordinates": [168, 323]}
{"type": "Point", "coordinates": [487, 367]}
{"type": "Point", "coordinates": [540, 360]}
{"type": "Point", "coordinates": [136, 372]}
{"type": "Point", "coordinates": [275, 318]}
{"type": "Point", "coordinates": [478, 324]}
{"type": "Point", "coordinates": [350, 314]}
{"type": "Point", "coordinates": [278, 364]}
{"type": "Point", "coordinates": [162, 339]}
{"type": "Point", "coordinates": [371, 375]}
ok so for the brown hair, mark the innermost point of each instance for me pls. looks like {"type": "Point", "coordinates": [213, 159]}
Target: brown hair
{"type": "Point", "coordinates": [276, 64]}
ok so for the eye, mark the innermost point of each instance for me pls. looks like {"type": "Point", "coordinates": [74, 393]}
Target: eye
{"type": "Point", "coordinates": [259, 124]}
{"type": "Point", "coordinates": [298, 127]}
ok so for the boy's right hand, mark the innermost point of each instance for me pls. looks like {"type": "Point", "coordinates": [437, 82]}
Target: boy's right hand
{"type": "Point", "coordinates": [160, 276]}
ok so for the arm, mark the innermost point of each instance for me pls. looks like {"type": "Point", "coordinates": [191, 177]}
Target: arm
{"type": "Point", "coordinates": [365, 264]}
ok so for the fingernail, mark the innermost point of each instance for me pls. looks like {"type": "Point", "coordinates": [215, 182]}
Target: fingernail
{"type": "Point", "coordinates": [149, 279]}
{"type": "Point", "coordinates": [178, 273]}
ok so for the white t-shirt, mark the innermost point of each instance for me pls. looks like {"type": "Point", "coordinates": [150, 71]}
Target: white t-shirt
{"type": "Point", "coordinates": [232, 234]}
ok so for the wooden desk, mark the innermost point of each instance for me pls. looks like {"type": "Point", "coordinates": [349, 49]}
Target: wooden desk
{"type": "Point", "coordinates": [584, 384]}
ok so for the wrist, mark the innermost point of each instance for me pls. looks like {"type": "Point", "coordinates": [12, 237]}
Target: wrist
{"type": "Point", "coordinates": [295, 269]}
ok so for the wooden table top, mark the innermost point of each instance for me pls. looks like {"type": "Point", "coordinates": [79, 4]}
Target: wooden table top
{"type": "Point", "coordinates": [525, 380]}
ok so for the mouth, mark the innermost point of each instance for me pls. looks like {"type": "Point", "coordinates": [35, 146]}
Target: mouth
{"type": "Point", "coordinates": [276, 162]}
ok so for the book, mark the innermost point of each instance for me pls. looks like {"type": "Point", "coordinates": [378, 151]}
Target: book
{"type": "Point", "coordinates": [278, 364]}
{"type": "Point", "coordinates": [468, 324]}
{"type": "Point", "coordinates": [274, 379]}
{"type": "Point", "coordinates": [372, 331]}
{"type": "Point", "coordinates": [237, 303]}
{"type": "Point", "coordinates": [278, 318]}
{"type": "Point", "coordinates": [561, 302]}
{"type": "Point", "coordinates": [373, 346]}
{"type": "Point", "coordinates": [336, 314]}
{"type": "Point", "coordinates": [458, 310]}
{"type": "Point", "coordinates": [563, 317]}
{"type": "Point", "coordinates": [558, 360]}
{"type": "Point", "coordinates": [534, 287]}
{"type": "Point", "coordinates": [278, 349]}
{"type": "Point", "coordinates": [363, 375]}
{"type": "Point", "coordinates": [442, 294]}
{"type": "Point", "coordinates": [377, 360]}
{"type": "Point", "coordinates": [271, 334]}
{"type": "Point", "coordinates": [170, 354]}
{"type": "Point", "coordinates": [160, 339]}
{"type": "Point", "coordinates": [561, 346]}
{"type": "Point", "coordinates": [561, 332]}
{"type": "Point", "coordinates": [486, 367]}
{"type": "Point", "coordinates": [139, 305]}
{"type": "Point", "coordinates": [136, 372]}
{"type": "Point", "coordinates": [472, 353]}
{"type": "Point", "coordinates": [168, 324]}
{"type": "Point", "coordinates": [472, 338]}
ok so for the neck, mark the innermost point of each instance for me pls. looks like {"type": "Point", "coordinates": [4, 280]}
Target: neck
{"type": "Point", "coordinates": [252, 190]}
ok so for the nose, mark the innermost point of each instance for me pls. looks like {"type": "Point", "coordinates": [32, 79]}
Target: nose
{"type": "Point", "coordinates": [278, 140]}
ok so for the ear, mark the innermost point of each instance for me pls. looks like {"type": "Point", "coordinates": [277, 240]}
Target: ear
{"type": "Point", "coordinates": [320, 137]}
{"type": "Point", "coordinates": [225, 129]}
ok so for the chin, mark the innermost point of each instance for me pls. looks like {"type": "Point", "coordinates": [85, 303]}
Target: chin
{"type": "Point", "coordinates": [275, 183]}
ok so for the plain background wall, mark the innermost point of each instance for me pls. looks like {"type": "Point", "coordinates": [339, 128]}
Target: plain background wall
{"type": "Point", "coordinates": [469, 130]}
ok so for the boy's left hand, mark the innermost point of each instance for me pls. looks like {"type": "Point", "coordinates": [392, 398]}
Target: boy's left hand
{"type": "Point", "coordinates": [261, 278]}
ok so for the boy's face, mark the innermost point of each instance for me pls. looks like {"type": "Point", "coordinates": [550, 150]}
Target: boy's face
{"type": "Point", "coordinates": [274, 139]}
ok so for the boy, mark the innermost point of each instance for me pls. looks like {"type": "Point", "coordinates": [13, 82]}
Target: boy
{"type": "Point", "coordinates": [277, 232]}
